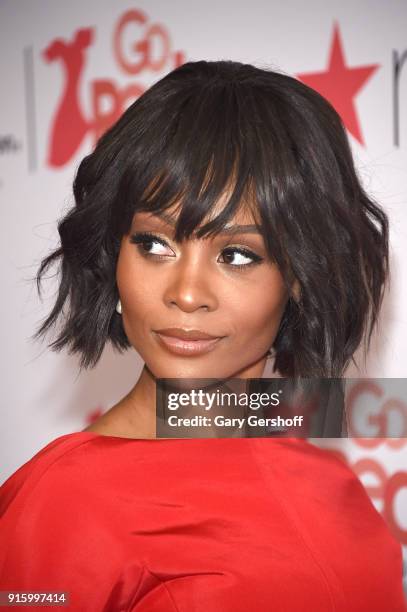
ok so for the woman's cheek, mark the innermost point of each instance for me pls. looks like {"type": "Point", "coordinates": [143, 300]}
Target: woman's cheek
{"type": "Point", "coordinates": [269, 320]}
{"type": "Point", "coordinates": [136, 287]}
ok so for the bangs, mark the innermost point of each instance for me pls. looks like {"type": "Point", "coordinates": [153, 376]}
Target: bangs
{"type": "Point", "coordinates": [209, 154]}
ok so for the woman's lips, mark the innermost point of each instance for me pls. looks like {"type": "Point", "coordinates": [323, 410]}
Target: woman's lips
{"type": "Point", "coordinates": [182, 346]}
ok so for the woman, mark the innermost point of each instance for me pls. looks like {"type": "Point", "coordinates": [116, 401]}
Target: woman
{"type": "Point", "coordinates": [219, 219]}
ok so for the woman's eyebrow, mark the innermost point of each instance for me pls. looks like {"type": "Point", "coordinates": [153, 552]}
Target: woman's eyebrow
{"type": "Point", "coordinates": [228, 229]}
{"type": "Point", "coordinates": [240, 229]}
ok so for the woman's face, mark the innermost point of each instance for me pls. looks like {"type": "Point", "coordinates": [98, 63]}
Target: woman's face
{"type": "Point", "coordinates": [224, 286]}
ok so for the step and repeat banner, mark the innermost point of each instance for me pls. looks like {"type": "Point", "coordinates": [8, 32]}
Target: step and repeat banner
{"type": "Point", "coordinates": [69, 70]}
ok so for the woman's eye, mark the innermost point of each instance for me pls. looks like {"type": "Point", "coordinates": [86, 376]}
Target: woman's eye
{"type": "Point", "coordinates": [240, 258]}
{"type": "Point", "coordinates": [150, 244]}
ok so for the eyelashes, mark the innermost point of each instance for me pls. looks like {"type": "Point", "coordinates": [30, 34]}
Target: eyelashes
{"type": "Point", "coordinates": [245, 253]}
{"type": "Point", "coordinates": [145, 241]}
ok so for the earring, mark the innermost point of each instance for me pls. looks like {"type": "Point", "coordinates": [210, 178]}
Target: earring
{"type": "Point", "coordinates": [119, 307]}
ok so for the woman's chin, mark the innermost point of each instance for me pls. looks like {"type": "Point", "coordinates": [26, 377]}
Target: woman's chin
{"type": "Point", "coordinates": [192, 371]}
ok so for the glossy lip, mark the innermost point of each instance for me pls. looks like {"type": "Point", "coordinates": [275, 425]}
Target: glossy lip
{"type": "Point", "coordinates": [186, 342]}
{"type": "Point", "coordinates": [185, 334]}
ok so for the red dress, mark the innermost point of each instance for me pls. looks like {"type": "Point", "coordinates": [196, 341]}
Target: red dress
{"type": "Point", "coordinates": [196, 525]}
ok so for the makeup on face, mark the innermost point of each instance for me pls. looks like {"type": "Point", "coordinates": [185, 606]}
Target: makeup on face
{"type": "Point", "coordinates": [176, 294]}
{"type": "Point", "coordinates": [177, 342]}
{"type": "Point", "coordinates": [242, 244]}
{"type": "Point", "coordinates": [182, 341]}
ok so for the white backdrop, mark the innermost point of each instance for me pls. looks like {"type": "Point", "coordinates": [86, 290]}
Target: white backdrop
{"type": "Point", "coordinates": [68, 69]}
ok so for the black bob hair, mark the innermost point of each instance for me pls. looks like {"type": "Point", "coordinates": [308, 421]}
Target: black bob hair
{"type": "Point", "coordinates": [275, 143]}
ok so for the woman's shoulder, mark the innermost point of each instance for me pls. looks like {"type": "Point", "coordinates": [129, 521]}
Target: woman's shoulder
{"type": "Point", "coordinates": [321, 474]}
{"type": "Point", "coordinates": [73, 469]}
{"type": "Point", "coordinates": [316, 483]}
{"type": "Point", "coordinates": [54, 472]}
{"type": "Point", "coordinates": [303, 458]}
{"type": "Point", "coordinates": [56, 524]}
{"type": "Point", "coordinates": [313, 463]}
{"type": "Point", "coordinates": [47, 458]}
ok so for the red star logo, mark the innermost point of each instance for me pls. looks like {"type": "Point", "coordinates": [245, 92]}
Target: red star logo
{"type": "Point", "coordinates": [339, 84]}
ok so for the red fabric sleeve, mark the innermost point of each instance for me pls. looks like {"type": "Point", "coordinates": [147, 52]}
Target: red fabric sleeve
{"type": "Point", "coordinates": [63, 543]}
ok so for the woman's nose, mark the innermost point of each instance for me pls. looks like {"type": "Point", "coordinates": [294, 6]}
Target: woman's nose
{"type": "Point", "coordinates": [189, 286]}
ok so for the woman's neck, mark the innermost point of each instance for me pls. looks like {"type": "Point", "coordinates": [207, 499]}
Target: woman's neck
{"type": "Point", "coordinates": [134, 416]}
